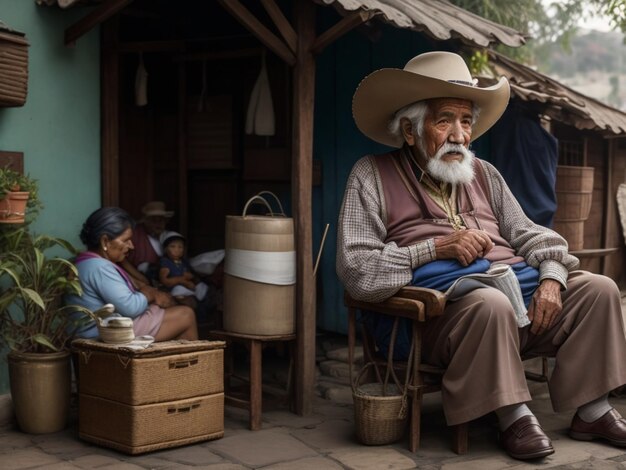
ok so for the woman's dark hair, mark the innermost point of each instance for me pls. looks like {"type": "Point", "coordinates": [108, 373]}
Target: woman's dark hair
{"type": "Point", "coordinates": [109, 221]}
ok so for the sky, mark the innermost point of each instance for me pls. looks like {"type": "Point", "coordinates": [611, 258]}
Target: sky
{"type": "Point", "coordinates": [599, 24]}
{"type": "Point", "coordinates": [590, 22]}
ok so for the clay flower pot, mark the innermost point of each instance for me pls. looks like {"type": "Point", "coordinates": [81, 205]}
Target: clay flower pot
{"type": "Point", "coordinates": [13, 207]}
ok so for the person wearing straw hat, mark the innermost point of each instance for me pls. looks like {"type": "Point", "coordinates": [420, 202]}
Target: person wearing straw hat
{"type": "Point", "coordinates": [430, 212]}
{"type": "Point", "coordinates": [143, 261]}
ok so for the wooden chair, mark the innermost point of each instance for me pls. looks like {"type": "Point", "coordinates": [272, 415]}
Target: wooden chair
{"type": "Point", "coordinates": [417, 304]}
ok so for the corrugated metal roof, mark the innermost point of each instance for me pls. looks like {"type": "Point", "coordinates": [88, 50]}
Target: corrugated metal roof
{"type": "Point", "coordinates": [560, 102]}
{"type": "Point", "coordinates": [438, 18]}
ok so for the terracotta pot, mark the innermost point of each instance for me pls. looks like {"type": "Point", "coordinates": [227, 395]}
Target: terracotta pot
{"type": "Point", "coordinates": [41, 390]}
{"type": "Point", "coordinates": [13, 207]}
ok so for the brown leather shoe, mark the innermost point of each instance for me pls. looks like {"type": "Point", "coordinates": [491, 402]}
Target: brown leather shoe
{"type": "Point", "coordinates": [525, 440]}
{"type": "Point", "coordinates": [611, 427]}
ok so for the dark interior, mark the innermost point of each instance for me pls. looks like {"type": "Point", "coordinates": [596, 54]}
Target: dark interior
{"type": "Point", "coordinates": [188, 145]}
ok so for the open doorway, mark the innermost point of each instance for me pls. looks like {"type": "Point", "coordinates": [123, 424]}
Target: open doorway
{"type": "Point", "coordinates": [182, 132]}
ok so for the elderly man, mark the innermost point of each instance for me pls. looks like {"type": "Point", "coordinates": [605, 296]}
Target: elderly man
{"type": "Point", "coordinates": [432, 208]}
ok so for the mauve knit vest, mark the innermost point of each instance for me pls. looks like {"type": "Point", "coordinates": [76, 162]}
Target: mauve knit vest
{"type": "Point", "coordinates": [415, 217]}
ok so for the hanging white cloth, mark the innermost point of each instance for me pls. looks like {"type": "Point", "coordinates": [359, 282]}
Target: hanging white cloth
{"type": "Point", "coordinates": [141, 83]}
{"type": "Point", "coordinates": [260, 117]}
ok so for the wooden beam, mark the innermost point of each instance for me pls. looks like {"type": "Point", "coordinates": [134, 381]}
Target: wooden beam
{"type": "Point", "coordinates": [269, 39]}
{"type": "Point", "coordinates": [99, 15]}
{"type": "Point", "coordinates": [109, 127]}
{"type": "Point", "coordinates": [151, 46]}
{"type": "Point", "coordinates": [302, 177]}
{"type": "Point", "coordinates": [348, 23]}
{"type": "Point", "coordinates": [218, 55]}
{"type": "Point", "coordinates": [609, 197]}
{"type": "Point", "coordinates": [283, 25]}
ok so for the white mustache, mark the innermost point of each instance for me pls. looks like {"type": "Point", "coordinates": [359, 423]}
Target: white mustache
{"type": "Point", "coordinates": [451, 148]}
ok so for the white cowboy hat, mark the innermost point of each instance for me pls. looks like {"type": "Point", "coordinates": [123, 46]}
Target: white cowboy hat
{"type": "Point", "coordinates": [156, 208]}
{"type": "Point", "coordinates": [426, 76]}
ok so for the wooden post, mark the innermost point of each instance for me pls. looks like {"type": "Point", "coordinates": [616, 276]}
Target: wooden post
{"type": "Point", "coordinates": [109, 128]}
{"type": "Point", "coordinates": [302, 177]}
{"type": "Point", "coordinates": [182, 149]}
{"type": "Point", "coordinates": [609, 195]}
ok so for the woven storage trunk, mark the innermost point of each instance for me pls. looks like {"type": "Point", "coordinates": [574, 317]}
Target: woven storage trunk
{"type": "Point", "coordinates": [13, 67]}
{"type": "Point", "coordinates": [136, 401]}
{"type": "Point", "coordinates": [165, 371]}
{"type": "Point", "coordinates": [144, 428]}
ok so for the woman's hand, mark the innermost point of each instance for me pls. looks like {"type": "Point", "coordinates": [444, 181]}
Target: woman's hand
{"type": "Point", "coordinates": [545, 306]}
{"type": "Point", "coordinates": [163, 299]}
{"type": "Point", "coordinates": [154, 295]}
{"type": "Point", "coordinates": [464, 246]}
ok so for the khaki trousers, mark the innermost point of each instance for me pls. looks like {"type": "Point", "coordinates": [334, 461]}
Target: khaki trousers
{"type": "Point", "coordinates": [478, 342]}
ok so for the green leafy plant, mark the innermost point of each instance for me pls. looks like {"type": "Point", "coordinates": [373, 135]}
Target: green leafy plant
{"type": "Point", "coordinates": [33, 317]}
{"type": "Point", "coordinates": [11, 180]}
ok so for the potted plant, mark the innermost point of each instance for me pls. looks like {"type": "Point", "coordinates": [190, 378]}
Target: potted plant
{"type": "Point", "coordinates": [17, 193]}
{"type": "Point", "coordinates": [35, 325]}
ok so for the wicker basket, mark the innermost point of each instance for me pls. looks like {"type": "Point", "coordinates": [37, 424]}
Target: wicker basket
{"type": "Point", "coordinates": [13, 67]}
{"type": "Point", "coordinates": [116, 329]}
{"type": "Point", "coordinates": [380, 411]}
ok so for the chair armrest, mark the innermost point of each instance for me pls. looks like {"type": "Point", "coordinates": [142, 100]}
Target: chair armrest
{"type": "Point", "coordinates": [434, 301]}
{"type": "Point", "coordinates": [416, 303]}
{"type": "Point", "coordinates": [397, 306]}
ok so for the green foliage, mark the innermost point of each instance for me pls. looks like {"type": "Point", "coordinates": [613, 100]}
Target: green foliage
{"type": "Point", "coordinates": [615, 10]}
{"type": "Point", "coordinates": [478, 62]}
{"type": "Point", "coordinates": [554, 24]}
{"type": "Point", "coordinates": [11, 180]}
{"type": "Point", "coordinates": [33, 317]}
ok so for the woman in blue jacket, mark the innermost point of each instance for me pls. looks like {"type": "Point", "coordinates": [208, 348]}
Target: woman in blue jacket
{"type": "Point", "coordinates": [107, 235]}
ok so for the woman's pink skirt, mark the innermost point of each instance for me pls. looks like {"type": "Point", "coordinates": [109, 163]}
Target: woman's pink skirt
{"type": "Point", "coordinates": [149, 322]}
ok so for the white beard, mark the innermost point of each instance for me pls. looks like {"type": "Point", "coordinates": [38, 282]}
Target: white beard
{"type": "Point", "coordinates": [451, 172]}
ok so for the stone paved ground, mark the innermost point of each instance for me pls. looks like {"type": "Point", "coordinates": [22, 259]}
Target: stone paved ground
{"type": "Point", "coordinates": [324, 440]}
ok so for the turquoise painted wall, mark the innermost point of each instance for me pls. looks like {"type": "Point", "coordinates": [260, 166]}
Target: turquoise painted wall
{"type": "Point", "coordinates": [58, 128]}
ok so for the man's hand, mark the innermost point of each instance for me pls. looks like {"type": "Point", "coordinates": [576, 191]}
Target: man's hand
{"type": "Point", "coordinates": [464, 246]}
{"type": "Point", "coordinates": [188, 275]}
{"type": "Point", "coordinates": [545, 306]}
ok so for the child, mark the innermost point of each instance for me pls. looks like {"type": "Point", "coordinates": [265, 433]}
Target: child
{"type": "Point", "coordinates": [175, 272]}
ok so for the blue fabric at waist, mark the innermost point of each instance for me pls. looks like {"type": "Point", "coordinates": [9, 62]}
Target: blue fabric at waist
{"type": "Point", "coordinates": [439, 275]}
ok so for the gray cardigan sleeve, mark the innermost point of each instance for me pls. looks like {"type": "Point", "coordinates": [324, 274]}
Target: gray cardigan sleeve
{"type": "Point", "coordinates": [541, 247]}
{"type": "Point", "coordinates": [370, 269]}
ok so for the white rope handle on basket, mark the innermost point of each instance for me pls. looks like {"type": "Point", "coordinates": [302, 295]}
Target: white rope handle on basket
{"type": "Point", "coordinates": [257, 198]}
{"type": "Point", "coordinates": [282, 211]}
